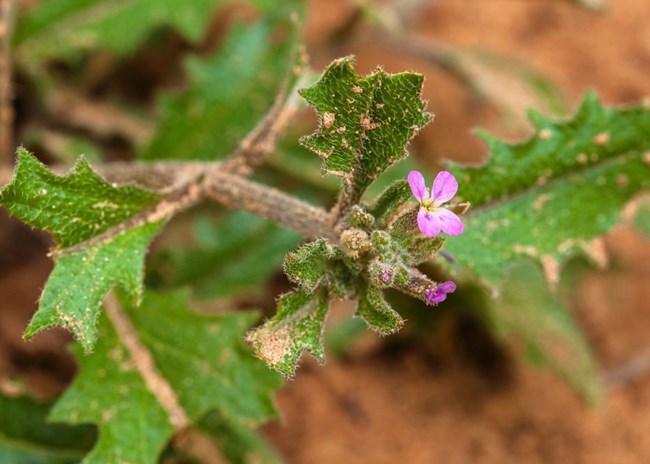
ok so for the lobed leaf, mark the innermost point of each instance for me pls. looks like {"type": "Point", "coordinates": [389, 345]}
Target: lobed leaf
{"type": "Point", "coordinates": [73, 208]}
{"type": "Point", "coordinates": [297, 326]}
{"type": "Point", "coordinates": [80, 280]}
{"type": "Point", "coordinates": [365, 122]}
{"type": "Point", "coordinates": [550, 196]}
{"type": "Point", "coordinates": [98, 247]}
{"type": "Point", "coordinates": [202, 358]}
{"type": "Point", "coordinates": [133, 426]}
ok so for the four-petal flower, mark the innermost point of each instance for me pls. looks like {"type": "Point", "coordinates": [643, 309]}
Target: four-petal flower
{"type": "Point", "coordinates": [432, 218]}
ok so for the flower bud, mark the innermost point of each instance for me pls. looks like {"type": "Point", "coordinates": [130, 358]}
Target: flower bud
{"type": "Point", "coordinates": [355, 242]}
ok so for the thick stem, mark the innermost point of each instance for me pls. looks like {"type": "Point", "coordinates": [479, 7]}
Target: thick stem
{"type": "Point", "coordinates": [6, 91]}
{"type": "Point", "coordinates": [162, 177]}
{"type": "Point", "coordinates": [233, 191]}
{"type": "Point", "coordinates": [272, 204]}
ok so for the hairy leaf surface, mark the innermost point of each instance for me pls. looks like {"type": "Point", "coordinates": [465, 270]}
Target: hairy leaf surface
{"type": "Point", "coordinates": [77, 209]}
{"type": "Point", "coordinates": [73, 208]}
{"type": "Point", "coordinates": [308, 265]}
{"type": "Point", "coordinates": [375, 310]}
{"type": "Point", "coordinates": [80, 280]}
{"type": "Point", "coordinates": [365, 122]}
{"type": "Point", "coordinates": [296, 327]}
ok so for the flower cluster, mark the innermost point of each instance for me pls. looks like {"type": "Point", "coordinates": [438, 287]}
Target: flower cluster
{"type": "Point", "coordinates": [433, 218]}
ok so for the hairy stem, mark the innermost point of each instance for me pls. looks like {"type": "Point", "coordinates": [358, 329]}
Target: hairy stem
{"type": "Point", "coordinates": [233, 191]}
{"type": "Point", "coordinates": [162, 177]}
{"type": "Point", "coordinates": [6, 93]}
{"type": "Point", "coordinates": [272, 204]}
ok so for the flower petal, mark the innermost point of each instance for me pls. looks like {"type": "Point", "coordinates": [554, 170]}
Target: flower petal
{"type": "Point", "coordinates": [435, 297]}
{"type": "Point", "coordinates": [439, 294]}
{"type": "Point", "coordinates": [439, 297]}
{"type": "Point", "coordinates": [448, 221]}
{"type": "Point", "coordinates": [428, 223]}
{"type": "Point", "coordinates": [418, 186]}
{"type": "Point", "coordinates": [444, 187]}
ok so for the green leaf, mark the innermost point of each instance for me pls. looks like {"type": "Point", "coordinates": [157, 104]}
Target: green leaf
{"type": "Point", "coordinates": [98, 248]}
{"type": "Point", "coordinates": [238, 253]}
{"type": "Point", "coordinates": [67, 27]}
{"type": "Point", "coordinates": [228, 95]}
{"type": "Point", "coordinates": [528, 310]}
{"type": "Point", "coordinates": [308, 265]}
{"type": "Point", "coordinates": [202, 359]}
{"type": "Point", "coordinates": [73, 208]}
{"type": "Point", "coordinates": [80, 280]}
{"type": "Point", "coordinates": [365, 122]}
{"type": "Point", "coordinates": [550, 196]}
{"type": "Point", "coordinates": [27, 438]}
{"type": "Point", "coordinates": [375, 310]}
{"type": "Point", "coordinates": [297, 326]}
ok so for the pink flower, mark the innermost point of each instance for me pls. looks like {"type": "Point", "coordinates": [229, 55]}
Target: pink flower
{"type": "Point", "coordinates": [432, 218]}
{"type": "Point", "coordinates": [439, 294]}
